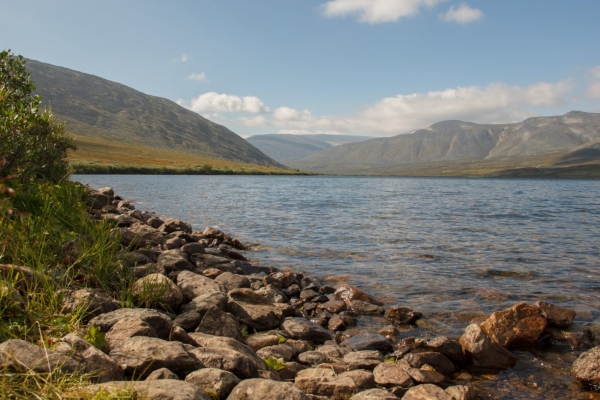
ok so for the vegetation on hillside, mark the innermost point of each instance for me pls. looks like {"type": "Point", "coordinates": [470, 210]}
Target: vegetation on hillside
{"type": "Point", "coordinates": [48, 242]}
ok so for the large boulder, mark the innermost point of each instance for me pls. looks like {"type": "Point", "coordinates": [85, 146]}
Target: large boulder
{"type": "Point", "coordinates": [348, 293]}
{"type": "Point", "coordinates": [301, 328]}
{"type": "Point", "coordinates": [202, 303]}
{"type": "Point", "coordinates": [174, 260]}
{"type": "Point", "coordinates": [368, 341]}
{"type": "Point", "coordinates": [559, 317]}
{"type": "Point", "coordinates": [253, 309]}
{"type": "Point", "coordinates": [141, 355]}
{"type": "Point", "coordinates": [520, 325]}
{"type": "Point", "coordinates": [100, 366]}
{"type": "Point", "coordinates": [204, 340]}
{"type": "Point", "coordinates": [225, 359]}
{"type": "Point", "coordinates": [214, 381]}
{"type": "Point", "coordinates": [156, 290]}
{"type": "Point", "coordinates": [220, 323]}
{"type": "Point", "coordinates": [325, 382]}
{"type": "Point", "coordinates": [19, 356]}
{"type": "Point", "coordinates": [586, 368]}
{"type": "Point", "coordinates": [390, 374]}
{"type": "Point", "coordinates": [266, 389]}
{"type": "Point", "coordinates": [160, 322]}
{"type": "Point", "coordinates": [126, 328]}
{"type": "Point", "coordinates": [193, 285]}
{"type": "Point", "coordinates": [94, 301]}
{"type": "Point", "coordinates": [483, 351]}
{"type": "Point", "coordinates": [161, 389]}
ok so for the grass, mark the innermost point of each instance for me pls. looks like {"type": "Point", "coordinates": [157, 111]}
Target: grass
{"type": "Point", "coordinates": [100, 156]}
{"type": "Point", "coordinates": [50, 232]}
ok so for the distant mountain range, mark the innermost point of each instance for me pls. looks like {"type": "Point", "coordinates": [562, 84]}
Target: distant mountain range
{"type": "Point", "coordinates": [573, 138]}
{"type": "Point", "coordinates": [98, 108]}
{"type": "Point", "coordinates": [286, 148]}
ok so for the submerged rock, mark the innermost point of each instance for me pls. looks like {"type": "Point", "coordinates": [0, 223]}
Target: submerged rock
{"type": "Point", "coordinates": [520, 325]}
{"type": "Point", "coordinates": [483, 351]}
{"type": "Point", "coordinates": [586, 368]}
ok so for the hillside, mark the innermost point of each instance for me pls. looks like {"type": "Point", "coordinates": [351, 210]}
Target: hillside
{"type": "Point", "coordinates": [285, 148]}
{"type": "Point", "coordinates": [453, 145]}
{"type": "Point", "coordinates": [98, 108]}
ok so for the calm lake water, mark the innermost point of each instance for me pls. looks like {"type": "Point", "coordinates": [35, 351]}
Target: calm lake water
{"type": "Point", "coordinates": [454, 249]}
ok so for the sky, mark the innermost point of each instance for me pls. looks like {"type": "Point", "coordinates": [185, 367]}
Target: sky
{"type": "Point", "coordinates": [359, 67]}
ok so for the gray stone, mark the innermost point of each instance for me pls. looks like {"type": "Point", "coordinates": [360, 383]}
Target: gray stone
{"type": "Point", "coordinates": [95, 302]}
{"type": "Point", "coordinates": [253, 309]}
{"type": "Point", "coordinates": [204, 340]}
{"type": "Point", "coordinates": [365, 359]}
{"type": "Point", "coordinates": [232, 281]}
{"type": "Point", "coordinates": [134, 258]}
{"type": "Point", "coordinates": [450, 347]}
{"type": "Point", "coordinates": [193, 248]}
{"type": "Point", "coordinates": [260, 340]}
{"type": "Point", "coordinates": [214, 381]}
{"type": "Point", "coordinates": [220, 323]}
{"type": "Point", "coordinates": [265, 389]}
{"type": "Point", "coordinates": [440, 362]}
{"type": "Point", "coordinates": [203, 302]}
{"type": "Point", "coordinates": [313, 358]}
{"type": "Point", "coordinates": [402, 315]}
{"type": "Point", "coordinates": [364, 308]}
{"type": "Point", "coordinates": [20, 356]}
{"type": "Point", "coordinates": [301, 328]}
{"type": "Point", "coordinates": [188, 320]}
{"type": "Point", "coordinates": [483, 351]}
{"type": "Point", "coordinates": [333, 306]}
{"type": "Point", "coordinates": [174, 225]}
{"type": "Point", "coordinates": [193, 285]}
{"type": "Point", "coordinates": [128, 327]}
{"type": "Point", "coordinates": [461, 392]}
{"type": "Point", "coordinates": [284, 350]}
{"type": "Point", "coordinates": [348, 293]}
{"type": "Point", "coordinates": [161, 373]}
{"type": "Point", "coordinates": [368, 341]}
{"type": "Point", "coordinates": [225, 359]}
{"type": "Point", "coordinates": [156, 290]}
{"type": "Point", "coordinates": [141, 355]}
{"type": "Point", "coordinates": [325, 382]}
{"type": "Point", "coordinates": [427, 392]}
{"type": "Point", "coordinates": [101, 367]}
{"type": "Point", "coordinates": [363, 379]}
{"type": "Point", "coordinates": [391, 374]}
{"type": "Point", "coordinates": [374, 394]}
{"type": "Point", "coordinates": [174, 260]}
{"type": "Point", "coordinates": [273, 294]}
{"type": "Point", "coordinates": [160, 322]}
{"type": "Point", "coordinates": [586, 368]}
{"type": "Point", "coordinates": [559, 317]}
{"type": "Point", "coordinates": [161, 389]}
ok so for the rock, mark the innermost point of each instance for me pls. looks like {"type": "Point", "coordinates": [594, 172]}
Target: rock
{"type": "Point", "coordinates": [440, 362]}
{"type": "Point", "coordinates": [174, 260]}
{"type": "Point", "coordinates": [139, 235]}
{"type": "Point", "coordinates": [162, 389]}
{"type": "Point", "coordinates": [333, 306]}
{"type": "Point", "coordinates": [95, 302]}
{"type": "Point", "coordinates": [161, 373]}
{"type": "Point", "coordinates": [449, 347]}
{"type": "Point", "coordinates": [214, 381]}
{"type": "Point", "coordinates": [336, 323]}
{"type": "Point", "coordinates": [284, 350]}
{"type": "Point", "coordinates": [425, 375]}
{"type": "Point", "coordinates": [374, 394]}
{"type": "Point", "coordinates": [282, 280]}
{"type": "Point", "coordinates": [291, 370]}
{"type": "Point", "coordinates": [133, 259]}
{"type": "Point", "coordinates": [586, 369]}
{"type": "Point", "coordinates": [325, 382]}
{"type": "Point", "coordinates": [461, 392]}
{"type": "Point", "coordinates": [193, 285]}
{"type": "Point", "coordinates": [260, 340]}
{"type": "Point", "coordinates": [362, 379]}
{"type": "Point", "coordinates": [253, 309]}
{"type": "Point", "coordinates": [232, 281]}
{"type": "Point", "coordinates": [98, 364]}
{"type": "Point", "coordinates": [348, 293]}
{"type": "Point", "coordinates": [152, 254]}
{"type": "Point", "coordinates": [158, 291]}
{"type": "Point", "coordinates": [203, 340]}
{"type": "Point", "coordinates": [301, 328]}
{"type": "Point", "coordinates": [390, 374]}
{"type": "Point", "coordinates": [273, 294]}
{"type": "Point", "coordinates": [559, 317]}
{"type": "Point", "coordinates": [213, 233]}
{"type": "Point", "coordinates": [179, 335]}
{"type": "Point", "coordinates": [203, 302]}
{"type": "Point", "coordinates": [212, 273]}
{"type": "Point", "coordinates": [188, 320]}
{"type": "Point", "coordinates": [192, 248]}
{"type": "Point", "coordinates": [219, 323]}
{"type": "Point", "coordinates": [402, 315]}
{"type": "Point", "coordinates": [308, 294]}
{"type": "Point", "coordinates": [144, 270]}
{"type": "Point", "coordinates": [126, 328]}
{"type": "Point", "coordinates": [226, 359]}
{"type": "Point", "coordinates": [365, 359]}
{"type": "Point", "coordinates": [483, 351]}
{"type": "Point", "coordinates": [19, 356]}
{"type": "Point", "coordinates": [364, 308]}
{"type": "Point", "coordinates": [141, 355]}
{"type": "Point", "coordinates": [250, 269]}
{"type": "Point", "coordinates": [333, 350]}
{"type": "Point", "coordinates": [160, 322]}
{"type": "Point", "coordinates": [98, 200]}
{"type": "Point", "coordinates": [205, 261]}
{"type": "Point", "coordinates": [173, 243]}
{"type": "Point", "coordinates": [155, 222]}
{"type": "Point", "coordinates": [174, 225]}
{"type": "Point", "coordinates": [520, 325]}
{"type": "Point", "coordinates": [368, 341]}
{"type": "Point", "coordinates": [427, 392]}
{"type": "Point", "coordinates": [313, 358]}
{"type": "Point", "coordinates": [264, 389]}
{"type": "Point", "coordinates": [573, 339]}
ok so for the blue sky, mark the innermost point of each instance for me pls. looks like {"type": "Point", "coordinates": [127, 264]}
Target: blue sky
{"type": "Point", "coordinates": [368, 67]}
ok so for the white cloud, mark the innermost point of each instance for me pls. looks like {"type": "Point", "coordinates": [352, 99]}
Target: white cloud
{"type": "Point", "coordinates": [375, 11]}
{"type": "Point", "coordinates": [212, 102]}
{"type": "Point", "coordinates": [256, 122]}
{"type": "Point", "coordinates": [593, 88]}
{"type": "Point", "coordinates": [184, 58]}
{"type": "Point", "coordinates": [463, 14]}
{"type": "Point", "coordinates": [201, 77]}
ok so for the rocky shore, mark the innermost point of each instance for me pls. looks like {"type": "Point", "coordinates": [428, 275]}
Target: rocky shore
{"type": "Point", "coordinates": [206, 323]}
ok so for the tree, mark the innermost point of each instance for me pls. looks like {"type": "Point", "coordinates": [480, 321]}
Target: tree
{"type": "Point", "coordinates": [32, 143]}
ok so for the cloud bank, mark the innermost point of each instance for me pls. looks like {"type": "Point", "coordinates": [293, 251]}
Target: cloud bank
{"type": "Point", "coordinates": [213, 102]}
{"type": "Point", "coordinates": [463, 14]}
{"type": "Point", "coordinates": [201, 77]}
{"type": "Point", "coordinates": [375, 11]}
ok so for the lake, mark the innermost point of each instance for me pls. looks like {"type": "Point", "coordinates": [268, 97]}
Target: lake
{"type": "Point", "coordinates": [454, 249]}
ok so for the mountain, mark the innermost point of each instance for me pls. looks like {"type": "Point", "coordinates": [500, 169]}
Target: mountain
{"type": "Point", "coordinates": [448, 144]}
{"type": "Point", "coordinates": [99, 108]}
{"type": "Point", "coordinates": [286, 148]}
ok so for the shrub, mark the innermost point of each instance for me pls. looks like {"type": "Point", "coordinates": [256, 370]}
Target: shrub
{"type": "Point", "coordinates": [32, 143]}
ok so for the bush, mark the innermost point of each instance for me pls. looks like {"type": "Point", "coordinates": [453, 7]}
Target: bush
{"type": "Point", "coordinates": [32, 143]}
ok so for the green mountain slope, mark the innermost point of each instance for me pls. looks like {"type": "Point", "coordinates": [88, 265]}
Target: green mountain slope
{"type": "Point", "coordinates": [447, 145]}
{"type": "Point", "coordinates": [98, 108]}
{"type": "Point", "coordinates": [286, 148]}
